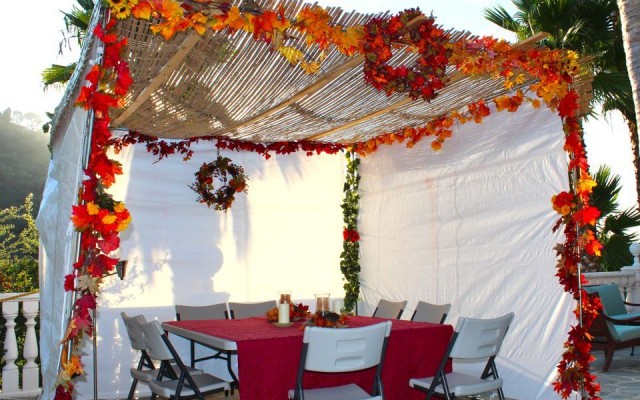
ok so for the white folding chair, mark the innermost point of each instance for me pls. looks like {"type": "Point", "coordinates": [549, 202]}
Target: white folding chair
{"type": "Point", "coordinates": [389, 309]}
{"type": "Point", "coordinates": [474, 340]}
{"type": "Point", "coordinates": [428, 312]}
{"type": "Point", "coordinates": [342, 350]}
{"type": "Point", "coordinates": [186, 385]}
{"type": "Point", "coordinates": [145, 371]}
{"type": "Point", "coordinates": [247, 310]}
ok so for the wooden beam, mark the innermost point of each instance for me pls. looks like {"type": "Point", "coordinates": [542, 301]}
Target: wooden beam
{"type": "Point", "coordinates": [457, 76]}
{"type": "Point", "coordinates": [183, 50]}
{"type": "Point", "coordinates": [317, 85]}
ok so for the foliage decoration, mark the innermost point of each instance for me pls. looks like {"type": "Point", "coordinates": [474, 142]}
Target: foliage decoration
{"type": "Point", "coordinates": [98, 217]}
{"type": "Point", "coordinates": [579, 219]}
{"type": "Point", "coordinates": [232, 180]}
{"type": "Point", "coordinates": [427, 76]}
{"type": "Point", "coordinates": [350, 256]}
{"type": "Point", "coordinates": [163, 148]}
{"type": "Point", "coordinates": [327, 320]}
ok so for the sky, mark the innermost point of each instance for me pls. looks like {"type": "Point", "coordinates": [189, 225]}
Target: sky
{"type": "Point", "coordinates": [31, 40]}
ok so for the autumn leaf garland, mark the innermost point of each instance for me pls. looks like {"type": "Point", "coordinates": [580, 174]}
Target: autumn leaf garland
{"type": "Point", "coordinates": [98, 217]}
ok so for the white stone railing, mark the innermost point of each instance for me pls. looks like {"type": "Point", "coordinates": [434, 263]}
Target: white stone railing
{"type": "Point", "coordinates": [12, 387]}
{"type": "Point", "coordinates": [628, 278]}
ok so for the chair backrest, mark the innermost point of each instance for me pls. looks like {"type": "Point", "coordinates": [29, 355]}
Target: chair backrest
{"type": "Point", "coordinates": [246, 310]}
{"type": "Point", "coordinates": [190, 313]}
{"type": "Point", "coordinates": [133, 325]}
{"type": "Point", "coordinates": [156, 346]}
{"type": "Point", "coordinates": [610, 297]}
{"type": "Point", "coordinates": [480, 338]}
{"type": "Point", "coordinates": [428, 312]}
{"type": "Point", "coordinates": [344, 350]}
{"type": "Point", "coordinates": [389, 309]}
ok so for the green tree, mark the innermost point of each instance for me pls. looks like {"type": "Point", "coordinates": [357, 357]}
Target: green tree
{"type": "Point", "coordinates": [613, 228]}
{"type": "Point", "coordinates": [18, 248]}
{"type": "Point", "coordinates": [593, 29]}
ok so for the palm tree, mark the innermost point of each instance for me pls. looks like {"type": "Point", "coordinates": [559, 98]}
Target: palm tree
{"type": "Point", "coordinates": [592, 28]}
{"type": "Point", "coordinates": [612, 228]}
{"type": "Point", "coordinates": [76, 24]}
{"type": "Point", "coordinates": [630, 21]}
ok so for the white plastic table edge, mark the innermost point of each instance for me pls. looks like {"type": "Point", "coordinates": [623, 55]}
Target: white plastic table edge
{"type": "Point", "coordinates": [209, 340]}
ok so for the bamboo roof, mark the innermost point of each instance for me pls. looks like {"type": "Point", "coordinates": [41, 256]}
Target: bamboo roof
{"type": "Point", "coordinates": [234, 86]}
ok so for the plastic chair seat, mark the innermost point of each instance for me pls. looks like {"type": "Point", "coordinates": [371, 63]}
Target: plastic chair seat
{"type": "Point", "coordinates": [460, 384]}
{"type": "Point", "coordinates": [346, 392]}
{"type": "Point", "coordinates": [204, 382]}
{"type": "Point", "coordinates": [624, 333]}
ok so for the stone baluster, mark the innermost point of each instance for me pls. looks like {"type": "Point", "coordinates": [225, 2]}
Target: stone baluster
{"type": "Point", "coordinates": [633, 292]}
{"type": "Point", "coordinates": [30, 371]}
{"type": "Point", "coordinates": [10, 373]}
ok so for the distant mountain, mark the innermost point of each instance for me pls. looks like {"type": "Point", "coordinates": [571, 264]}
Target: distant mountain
{"type": "Point", "coordinates": [24, 160]}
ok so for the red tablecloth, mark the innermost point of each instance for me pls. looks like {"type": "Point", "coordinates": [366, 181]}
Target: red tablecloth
{"type": "Point", "coordinates": [268, 356]}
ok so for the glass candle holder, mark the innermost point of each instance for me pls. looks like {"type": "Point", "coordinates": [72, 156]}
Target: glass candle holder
{"type": "Point", "coordinates": [322, 303]}
{"type": "Point", "coordinates": [285, 297]}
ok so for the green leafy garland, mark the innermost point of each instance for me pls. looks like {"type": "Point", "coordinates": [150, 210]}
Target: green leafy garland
{"type": "Point", "coordinates": [350, 262]}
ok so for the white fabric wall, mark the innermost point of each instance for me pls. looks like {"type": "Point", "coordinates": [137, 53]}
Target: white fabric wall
{"type": "Point", "coordinates": [471, 226]}
{"type": "Point", "coordinates": [285, 234]}
{"type": "Point", "coordinates": [57, 237]}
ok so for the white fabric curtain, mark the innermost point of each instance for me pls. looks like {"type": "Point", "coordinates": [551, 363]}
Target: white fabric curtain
{"type": "Point", "coordinates": [285, 234]}
{"type": "Point", "coordinates": [57, 239]}
{"type": "Point", "coordinates": [471, 226]}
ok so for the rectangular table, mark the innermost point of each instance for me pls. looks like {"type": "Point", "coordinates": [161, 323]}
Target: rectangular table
{"type": "Point", "coordinates": [268, 356]}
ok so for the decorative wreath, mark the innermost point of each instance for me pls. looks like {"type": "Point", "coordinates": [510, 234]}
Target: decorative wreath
{"type": "Point", "coordinates": [426, 77]}
{"type": "Point", "coordinates": [232, 179]}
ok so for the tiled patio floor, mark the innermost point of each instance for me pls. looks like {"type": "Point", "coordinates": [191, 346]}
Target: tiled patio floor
{"type": "Point", "coordinates": [622, 381]}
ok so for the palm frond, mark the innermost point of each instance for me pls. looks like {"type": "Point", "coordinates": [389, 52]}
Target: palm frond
{"type": "Point", "coordinates": [619, 223]}
{"type": "Point", "coordinates": [615, 254]}
{"type": "Point", "coordinates": [57, 75]}
{"type": "Point", "coordinates": [499, 16]}
{"type": "Point", "coordinates": [605, 193]}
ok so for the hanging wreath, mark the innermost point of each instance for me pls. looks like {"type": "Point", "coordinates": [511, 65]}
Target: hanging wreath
{"type": "Point", "coordinates": [232, 179]}
{"type": "Point", "coordinates": [426, 76]}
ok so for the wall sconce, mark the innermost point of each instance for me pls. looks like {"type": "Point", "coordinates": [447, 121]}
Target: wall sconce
{"type": "Point", "coordinates": [121, 269]}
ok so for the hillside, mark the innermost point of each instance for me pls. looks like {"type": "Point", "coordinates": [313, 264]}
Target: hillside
{"type": "Point", "coordinates": [24, 160]}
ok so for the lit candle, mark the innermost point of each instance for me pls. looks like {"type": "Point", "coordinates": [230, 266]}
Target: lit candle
{"type": "Point", "coordinates": [283, 313]}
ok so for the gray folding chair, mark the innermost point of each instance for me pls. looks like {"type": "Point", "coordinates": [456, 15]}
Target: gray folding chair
{"type": "Point", "coordinates": [389, 309]}
{"type": "Point", "coordinates": [247, 310]}
{"type": "Point", "coordinates": [428, 312]}
{"type": "Point", "coordinates": [215, 311]}
{"type": "Point", "coordinates": [186, 385]}
{"type": "Point", "coordinates": [190, 313]}
{"type": "Point", "coordinates": [331, 350]}
{"type": "Point", "coordinates": [146, 370]}
{"type": "Point", "coordinates": [474, 340]}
